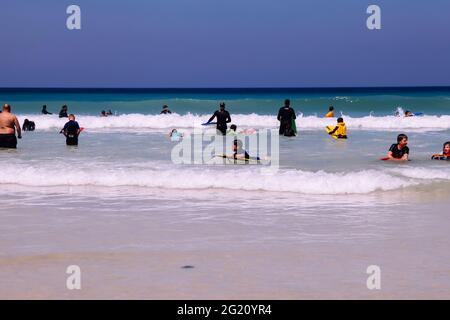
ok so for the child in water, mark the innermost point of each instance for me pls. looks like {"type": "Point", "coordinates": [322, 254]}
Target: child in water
{"type": "Point", "coordinates": [399, 151]}
{"type": "Point", "coordinates": [445, 153]}
{"type": "Point", "coordinates": [330, 113]}
{"type": "Point", "coordinates": [71, 131]}
{"type": "Point", "coordinates": [340, 130]}
{"type": "Point", "coordinates": [175, 135]}
{"type": "Point", "coordinates": [232, 130]}
{"type": "Point", "coordinates": [446, 149]}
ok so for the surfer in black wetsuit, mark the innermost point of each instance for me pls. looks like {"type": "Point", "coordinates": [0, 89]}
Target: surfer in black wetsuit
{"type": "Point", "coordinates": [285, 115]}
{"type": "Point", "coordinates": [223, 117]}
{"type": "Point", "coordinates": [71, 131]}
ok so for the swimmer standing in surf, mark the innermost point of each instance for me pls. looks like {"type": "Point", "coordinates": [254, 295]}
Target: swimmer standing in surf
{"type": "Point", "coordinates": [8, 127]}
{"type": "Point", "coordinates": [286, 115]}
{"type": "Point", "coordinates": [71, 131]}
{"type": "Point", "coordinates": [223, 117]}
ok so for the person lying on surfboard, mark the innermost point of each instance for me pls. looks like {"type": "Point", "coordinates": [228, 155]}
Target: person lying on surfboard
{"type": "Point", "coordinates": [398, 151]}
{"type": "Point", "coordinates": [340, 130]}
{"type": "Point", "coordinates": [445, 153]}
{"type": "Point", "coordinates": [238, 151]}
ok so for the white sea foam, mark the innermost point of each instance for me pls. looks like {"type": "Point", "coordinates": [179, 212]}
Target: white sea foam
{"type": "Point", "coordinates": [250, 179]}
{"type": "Point", "coordinates": [424, 173]}
{"type": "Point", "coordinates": [164, 122]}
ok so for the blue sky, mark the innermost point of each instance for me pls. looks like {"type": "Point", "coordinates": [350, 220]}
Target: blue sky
{"type": "Point", "coordinates": [224, 43]}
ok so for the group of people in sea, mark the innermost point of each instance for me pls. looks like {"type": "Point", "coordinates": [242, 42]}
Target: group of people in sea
{"type": "Point", "coordinates": [10, 127]}
{"type": "Point", "coordinates": [286, 116]}
{"type": "Point", "coordinates": [63, 113]}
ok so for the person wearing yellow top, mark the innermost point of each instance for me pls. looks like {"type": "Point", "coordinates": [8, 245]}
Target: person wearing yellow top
{"type": "Point", "coordinates": [330, 113]}
{"type": "Point", "coordinates": [340, 131]}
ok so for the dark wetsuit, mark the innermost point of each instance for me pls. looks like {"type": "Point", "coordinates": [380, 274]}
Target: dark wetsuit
{"type": "Point", "coordinates": [166, 111]}
{"type": "Point", "coordinates": [44, 111]}
{"type": "Point", "coordinates": [8, 141]}
{"type": "Point", "coordinates": [223, 117]}
{"type": "Point", "coordinates": [396, 153]}
{"type": "Point", "coordinates": [71, 132]}
{"type": "Point", "coordinates": [285, 116]}
{"type": "Point", "coordinates": [63, 113]}
{"type": "Point", "coordinates": [29, 126]}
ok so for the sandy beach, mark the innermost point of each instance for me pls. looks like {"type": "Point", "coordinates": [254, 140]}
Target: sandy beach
{"type": "Point", "coordinates": [139, 252]}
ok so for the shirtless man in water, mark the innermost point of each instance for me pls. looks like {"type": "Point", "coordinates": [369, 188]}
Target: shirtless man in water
{"type": "Point", "coordinates": [8, 126]}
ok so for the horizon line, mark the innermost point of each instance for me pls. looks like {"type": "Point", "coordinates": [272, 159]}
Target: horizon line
{"type": "Point", "coordinates": [233, 88]}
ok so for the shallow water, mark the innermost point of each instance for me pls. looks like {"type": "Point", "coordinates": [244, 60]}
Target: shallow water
{"type": "Point", "coordinates": [311, 163]}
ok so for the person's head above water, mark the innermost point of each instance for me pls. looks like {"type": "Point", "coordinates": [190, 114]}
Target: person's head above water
{"type": "Point", "coordinates": [233, 127]}
{"type": "Point", "coordinates": [222, 106]}
{"type": "Point", "coordinates": [165, 107]}
{"type": "Point", "coordinates": [6, 108]}
{"type": "Point", "coordinates": [331, 108]}
{"type": "Point", "coordinates": [446, 148]}
{"type": "Point", "coordinates": [71, 117]}
{"type": "Point", "coordinates": [340, 120]}
{"type": "Point", "coordinates": [44, 107]}
{"type": "Point", "coordinates": [287, 103]}
{"type": "Point", "coordinates": [402, 139]}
